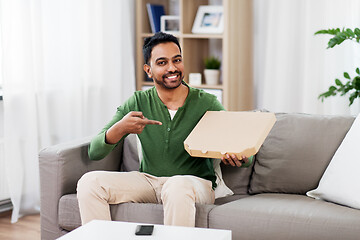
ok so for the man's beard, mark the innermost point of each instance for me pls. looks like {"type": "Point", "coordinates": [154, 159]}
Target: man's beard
{"type": "Point", "coordinates": [165, 84]}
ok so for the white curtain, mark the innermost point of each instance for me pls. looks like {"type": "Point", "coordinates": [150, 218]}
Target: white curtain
{"type": "Point", "coordinates": [291, 65]}
{"type": "Point", "coordinates": [67, 65]}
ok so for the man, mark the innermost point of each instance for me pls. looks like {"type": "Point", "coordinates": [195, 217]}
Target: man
{"type": "Point", "coordinates": [168, 174]}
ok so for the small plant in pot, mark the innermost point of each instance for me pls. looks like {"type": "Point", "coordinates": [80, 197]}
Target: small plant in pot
{"type": "Point", "coordinates": [212, 70]}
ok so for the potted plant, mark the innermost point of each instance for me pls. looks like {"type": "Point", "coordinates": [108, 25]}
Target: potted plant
{"type": "Point", "coordinates": [352, 85]}
{"type": "Point", "coordinates": [212, 70]}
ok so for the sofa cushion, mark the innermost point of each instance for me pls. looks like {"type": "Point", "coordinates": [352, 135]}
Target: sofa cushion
{"type": "Point", "coordinates": [231, 198]}
{"type": "Point", "coordinates": [285, 216]}
{"type": "Point", "coordinates": [340, 182]}
{"type": "Point", "coordinates": [296, 152]}
{"type": "Point", "coordinates": [69, 215]}
{"type": "Point", "coordinates": [237, 179]}
{"type": "Point", "coordinates": [130, 159]}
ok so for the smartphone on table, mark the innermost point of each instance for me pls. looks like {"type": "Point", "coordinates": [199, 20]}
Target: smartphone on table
{"type": "Point", "coordinates": [144, 230]}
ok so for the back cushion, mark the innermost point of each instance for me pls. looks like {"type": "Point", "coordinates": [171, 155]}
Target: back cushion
{"type": "Point", "coordinates": [296, 152]}
{"type": "Point", "coordinates": [130, 160]}
{"type": "Point", "coordinates": [237, 179]}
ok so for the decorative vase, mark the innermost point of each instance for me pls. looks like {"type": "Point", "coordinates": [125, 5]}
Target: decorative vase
{"type": "Point", "coordinates": [212, 76]}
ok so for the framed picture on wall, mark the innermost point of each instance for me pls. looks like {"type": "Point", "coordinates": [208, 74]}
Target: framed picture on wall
{"type": "Point", "coordinates": [209, 19]}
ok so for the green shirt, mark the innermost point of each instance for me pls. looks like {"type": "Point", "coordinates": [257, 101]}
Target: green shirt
{"type": "Point", "coordinates": [163, 145]}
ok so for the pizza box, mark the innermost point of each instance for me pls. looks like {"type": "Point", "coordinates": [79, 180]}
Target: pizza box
{"type": "Point", "coordinates": [221, 132]}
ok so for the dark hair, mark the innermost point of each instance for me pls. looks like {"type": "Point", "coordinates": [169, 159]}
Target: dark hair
{"type": "Point", "coordinates": [157, 38]}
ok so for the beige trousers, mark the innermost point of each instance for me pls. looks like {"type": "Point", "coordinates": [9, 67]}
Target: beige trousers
{"type": "Point", "coordinates": [178, 194]}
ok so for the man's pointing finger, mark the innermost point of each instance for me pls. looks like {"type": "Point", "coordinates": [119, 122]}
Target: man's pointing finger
{"type": "Point", "coordinates": [152, 122]}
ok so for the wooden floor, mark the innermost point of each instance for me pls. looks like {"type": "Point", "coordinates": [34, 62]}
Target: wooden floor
{"type": "Point", "coordinates": [27, 227]}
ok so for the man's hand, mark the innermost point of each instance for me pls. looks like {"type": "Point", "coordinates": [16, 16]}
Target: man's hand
{"type": "Point", "coordinates": [233, 160]}
{"type": "Point", "coordinates": [133, 122]}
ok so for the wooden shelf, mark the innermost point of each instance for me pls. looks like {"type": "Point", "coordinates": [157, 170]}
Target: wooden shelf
{"type": "Point", "coordinates": [202, 36]}
{"type": "Point", "coordinates": [234, 46]}
{"type": "Point", "coordinates": [190, 35]}
{"type": "Point", "coordinates": [145, 35]}
{"type": "Point", "coordinates": [202, 86]}
{"type": "Point", "coordinates": [148, 83]}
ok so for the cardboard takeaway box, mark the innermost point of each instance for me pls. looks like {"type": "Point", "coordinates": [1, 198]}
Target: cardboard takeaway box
{"type": "Point", "coordinates": [220, 132]}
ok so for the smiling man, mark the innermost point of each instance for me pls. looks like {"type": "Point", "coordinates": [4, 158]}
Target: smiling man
{"type": "Point", "coordinates": [162, 117]}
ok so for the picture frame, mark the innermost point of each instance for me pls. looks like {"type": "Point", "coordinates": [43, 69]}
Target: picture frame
{"type": "Point", "coordinates": [209, 19]}
{"type": "Point", "coordinates": [170, 24]}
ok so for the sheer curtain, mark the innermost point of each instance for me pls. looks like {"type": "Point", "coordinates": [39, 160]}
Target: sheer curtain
{"type": "Point", "coordinates": [67, 65]}
{"type": "Point", "coordinates": [292, 66]}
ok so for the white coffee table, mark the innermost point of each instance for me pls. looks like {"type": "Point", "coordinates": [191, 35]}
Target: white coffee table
{"type": "Point", "coordinates": [107, 230]}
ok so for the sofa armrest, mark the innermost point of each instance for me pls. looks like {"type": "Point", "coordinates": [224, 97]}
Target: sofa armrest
{"type": "Point", "coordinates": [61, 166]}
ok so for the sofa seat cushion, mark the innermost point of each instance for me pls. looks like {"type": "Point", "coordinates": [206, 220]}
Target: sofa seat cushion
{"type": "Point", "coordinates": [231, 198]}
{"type": "Point", "coordinates": [69, 215]}
{"type": "Point", "coordinates": [286, 216]}
{"type": "Point", "coordinates": [296, 152]}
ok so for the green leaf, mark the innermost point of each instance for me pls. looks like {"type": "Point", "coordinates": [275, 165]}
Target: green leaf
{"type": "Point", "coordinates": [332, 89]}
{"type": "Point", "coordinates": [321, 96]}
{"type": "Point", "coordinates": [357, 32]}
{"type": "Point", "coordinates": [338, 82]}
{"type": "Point", "coordinates": [356, 83]}
{"type": "Point", "coordinates": [352, 97]}
{"type": "Point", "coordinates": [347, 88]}
{"type": "Point", "coordinates": [329, 31]}
{"type": "Point", "coordinates": [346, 75]}
{"type": "Point", "coordinates": [357, 70]}
{"type": "Point", "coordinates": [332, 42]}
{"type": "Point", "coordinates": [342, 35]}
{"type": "Point", "coordinates": [321, 32]}
{"type": "Point", "coordinates": [350, 33]}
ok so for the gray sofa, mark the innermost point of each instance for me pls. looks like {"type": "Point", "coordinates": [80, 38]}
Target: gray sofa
{"type": "Point", "coordinates": [270, 199]}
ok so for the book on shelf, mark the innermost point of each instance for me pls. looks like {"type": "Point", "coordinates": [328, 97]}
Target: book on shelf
{"type": "Point", "coordinates": [155, 11]}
